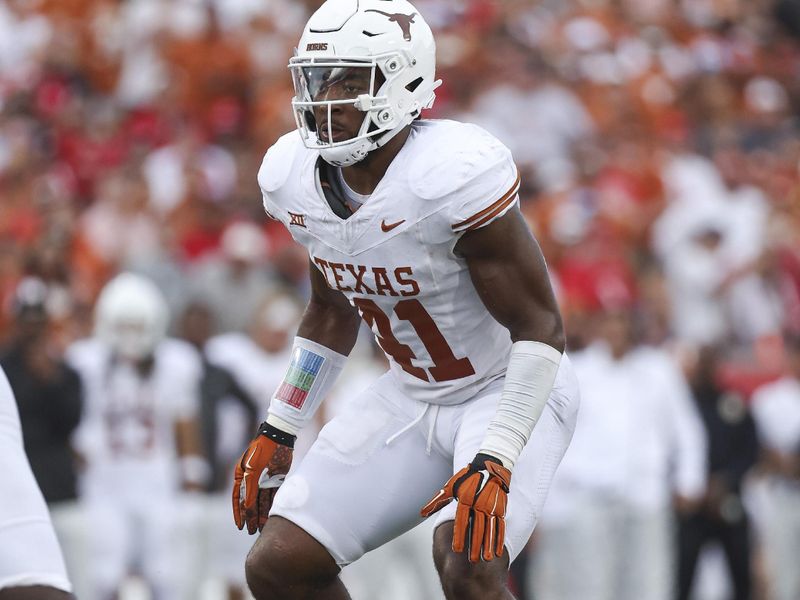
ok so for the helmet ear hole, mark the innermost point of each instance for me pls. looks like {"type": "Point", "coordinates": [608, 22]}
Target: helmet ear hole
{"type": "Point", "coordinates": [411, 87]}
{"type": "Point", "coordinates": [380, 79]}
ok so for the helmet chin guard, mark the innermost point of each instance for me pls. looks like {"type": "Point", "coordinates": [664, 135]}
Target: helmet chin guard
{"type": "Point", "coordinates": [346, 154]}
{"type": "Point", "coordinates": [384, 42]}
{"type": "Point", "coordinates": [356, 150]}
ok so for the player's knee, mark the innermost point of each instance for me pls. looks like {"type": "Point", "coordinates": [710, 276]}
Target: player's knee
{"type": "Point", "coordinates": [285, 562]}
{"type": "Point", "coordinates": [266, 568]}
{"type": "Point", "coordinates": [259, 574]}
{"type": "Point", "coordinates": [465, 580]}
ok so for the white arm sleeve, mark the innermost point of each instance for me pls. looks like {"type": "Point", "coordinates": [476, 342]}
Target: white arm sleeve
{"type": "Point", "coordinates": [530, 376]}
{"type": "Point", "coordinates": [309, 378]}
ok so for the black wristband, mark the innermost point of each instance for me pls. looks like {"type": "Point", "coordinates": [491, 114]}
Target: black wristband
{"type": "Point", "coordinates": [276, 435]}
{"type": "Point", "coordinates": [478, 463]}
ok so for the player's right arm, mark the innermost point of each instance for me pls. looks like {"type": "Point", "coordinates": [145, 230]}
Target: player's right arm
{"type": "Point", "coordinates": [329, 318]}
{"type": "Point", "coordinates": [327, 334]}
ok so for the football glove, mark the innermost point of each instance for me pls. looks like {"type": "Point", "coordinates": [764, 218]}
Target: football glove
{"type": "Point", "coordinates": [481, 490]}
{"type": "Point", "coordinates": [259, 474]}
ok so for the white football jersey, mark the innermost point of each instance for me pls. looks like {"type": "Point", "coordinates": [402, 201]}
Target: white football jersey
{"type": "Point", "coordinates": [129, 419]}
{"type": "Point", "coordinates": [393, 258]}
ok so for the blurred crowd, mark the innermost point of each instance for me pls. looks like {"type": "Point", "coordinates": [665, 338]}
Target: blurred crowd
{"type": "Point", "coordinates": [658, 143]}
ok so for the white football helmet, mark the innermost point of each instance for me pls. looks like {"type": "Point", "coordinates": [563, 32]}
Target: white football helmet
{"type": "Point", "coordinates": [362, 37]}
{"type": "Point", "coordinates": [131, 316]}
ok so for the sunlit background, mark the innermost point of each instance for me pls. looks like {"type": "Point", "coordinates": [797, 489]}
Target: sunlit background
{"type": "Point", "coordinates": [658, 144]}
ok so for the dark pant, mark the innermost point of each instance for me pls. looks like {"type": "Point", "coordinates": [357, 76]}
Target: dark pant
{"type": "Point", "coordinates": [693, 534]}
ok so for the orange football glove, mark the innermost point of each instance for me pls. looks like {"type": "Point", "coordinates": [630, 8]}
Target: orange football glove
{"type": "Point", "coordinates": [259, 474]}
{"type": "Point", "coordinates": [481, 489]}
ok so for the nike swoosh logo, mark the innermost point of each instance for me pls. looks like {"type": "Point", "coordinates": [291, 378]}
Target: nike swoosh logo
{"type": "Point", "coordinates": [272, 481]}
{"type": "Point", "coordinates": [247, 462]}
{"type": "Point", "coordinates": [387, 227]}
{"type": "Point", "coordinates": [243, 485]}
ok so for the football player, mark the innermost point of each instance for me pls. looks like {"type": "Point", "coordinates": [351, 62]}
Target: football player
{"type": "Point", "coordinates": [139, 438]}
{"type": "Point", "coordinates": [412, 225]}
{"type": "Point", "coordinates": [31, 563]}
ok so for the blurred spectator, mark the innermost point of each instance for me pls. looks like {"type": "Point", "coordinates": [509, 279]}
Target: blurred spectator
{"type": "Point", "coordinates": [48, 393]}
{"type": "Point", "coordinates": [605, 531]}
{"type": "Point", "coordinates": [168, 170]}
{"type": "Point", "coordinates": [754, 308]}
{"type": "Point", "coordinates": [539, 119]}
{"type": "Point", "coordinates": [130, 35]}
{"type": "Point", "coordinates": [776, 409]}
{"type": "Point", "coordinates": [24, 33]}
{"type": "Point", "coordinates": [732, 451]}
{"type": "Point", "coordinates": [139, 439]}
{"type": "Point", "coordinates": [119, 226]}
{"type": "Point", "coordinates": [210, 73]}
{"type": "Point", "coordinates": [696, 270]}
{"type": "Point", "coordinates": [49, 398]}
{"type": "Point", "coordinates": [235, 281]}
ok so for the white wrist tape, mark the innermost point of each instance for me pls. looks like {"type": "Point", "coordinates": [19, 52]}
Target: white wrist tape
{"type": "Point", "coordinates": [529, 380]}
{"type": "Point", "coordinates": [310, 376]}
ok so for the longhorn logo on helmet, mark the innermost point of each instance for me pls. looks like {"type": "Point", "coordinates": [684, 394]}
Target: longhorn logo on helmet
{"type": "Point", "coordinates": [404, 21]}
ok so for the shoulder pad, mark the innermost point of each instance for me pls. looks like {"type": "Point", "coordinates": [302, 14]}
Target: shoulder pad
{"type": "Point", "coordinates": [278, 161]}
{"type": "Point", "coordinates": [451, 155]}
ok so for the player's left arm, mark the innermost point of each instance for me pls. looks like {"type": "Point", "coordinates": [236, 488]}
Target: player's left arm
{"type": "Point", "coordinates": [509, 272]}
{"type": "Point", "coordinates": [510, 275]}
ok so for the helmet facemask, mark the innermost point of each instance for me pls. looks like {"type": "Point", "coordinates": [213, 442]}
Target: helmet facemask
{"type": "Point", "coordinates": [327, 82]}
